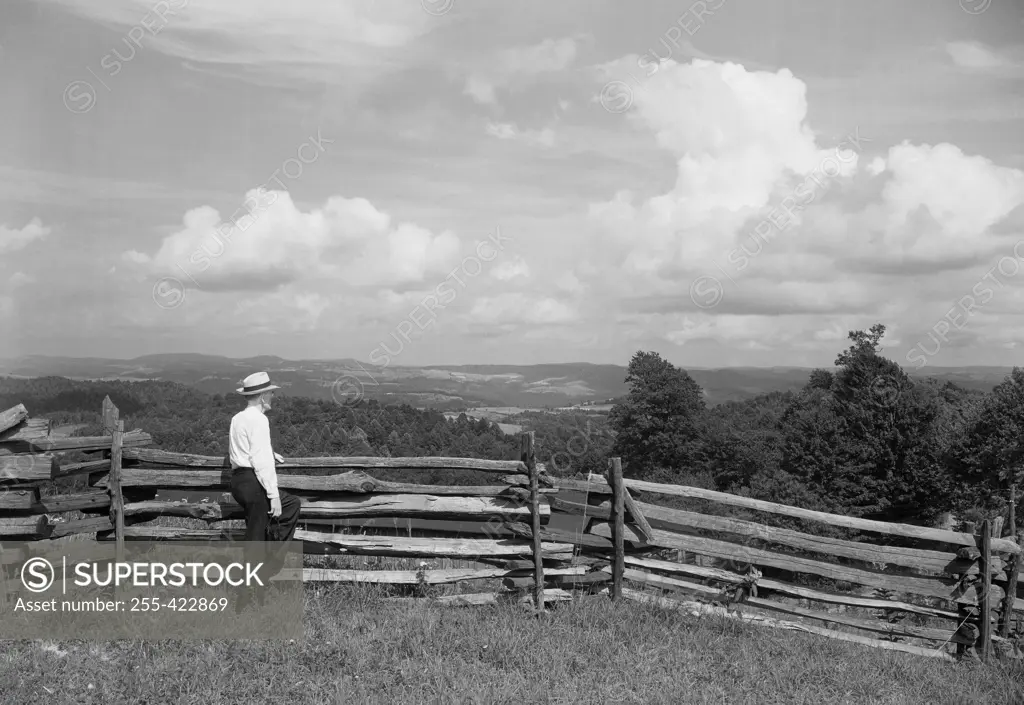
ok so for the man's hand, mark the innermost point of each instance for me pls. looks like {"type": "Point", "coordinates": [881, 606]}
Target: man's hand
{"type": "Point", "coordinates": [275, 507]}
{"type": "Point", "coordinates": [278, 457]}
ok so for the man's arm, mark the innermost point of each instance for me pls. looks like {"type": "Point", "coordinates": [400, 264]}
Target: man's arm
{"type": "Point", "coordinates": [262, 455]}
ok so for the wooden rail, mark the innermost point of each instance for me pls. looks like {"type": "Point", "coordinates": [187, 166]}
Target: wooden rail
{"type": "Point", "coordinates": [121, 505]}
{"type": "Point", "coordinates": [837, 520]}
{"type": "Point", "coordinates": [161, 457]}
{"type": "Point", "coordinates": [965, 586]}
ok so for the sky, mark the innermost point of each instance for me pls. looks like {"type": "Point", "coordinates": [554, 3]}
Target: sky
{"type": "Point", "coordinates": [421, 182]}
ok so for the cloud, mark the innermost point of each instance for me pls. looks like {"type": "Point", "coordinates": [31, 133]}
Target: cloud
{"type": "Point", "coordinates": [518, 308]}
{"type": "Point", "coordinates": [975, 55]}
{"type": "Point", "coordinates": [12, 240]}
{"type": "Point", "coordinates": [965, 195]}
{"type": "Point", "coordinates": [786, 229]}
{"type": "Point", "coordinates": [568, 283]}
{"type": "Point", "coordinates": [508, 131]}
{"type": "Point", "coordinates": [282, 41]}
{"type": "Point", "coordinates": [510, 269]}
{"type": "Point", "coordinates": [515, 67]}
{"type": "Point", "coordinates": [19, 279]}
{"type": "Point", "coordinates": [346, 240]}
{"type": "Point", "coordinates": [282, 311]}
{"type": "Point", "coordinates": [39, 187]}
{"type": "Point", "coordinates": [740, 142]}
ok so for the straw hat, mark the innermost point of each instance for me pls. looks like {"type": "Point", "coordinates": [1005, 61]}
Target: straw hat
{"type": "Point", "coordinates": [256, 383]}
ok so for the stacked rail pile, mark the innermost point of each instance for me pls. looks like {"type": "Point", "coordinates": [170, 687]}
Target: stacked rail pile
{"type": "Point", "coordinates": [31, 458]}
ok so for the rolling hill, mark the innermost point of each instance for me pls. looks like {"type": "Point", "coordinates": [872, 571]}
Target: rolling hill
{"type": "Point", "coordinates": [444, 387]}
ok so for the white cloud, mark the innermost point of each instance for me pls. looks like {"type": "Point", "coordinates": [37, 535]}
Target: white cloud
{"type": "Point", "coordinates": [503, 131]}
{"type": "Point", "coordinates": [964, 195]}
{"type": "Point", "coordinates": [510, 269]}
{"type": "Point", "coordinates": [741, 144]}
{"type": "Point", "coordinates": [284, 310]}
{"type": "Point", "coordinates": [519, 308]}
{"type": "Point", "coordinates": [12, 240]}
{"type": "Point", "coordinates": [974, 55]}
{"type": "Point", "coordinates": [508, 131]}
{"type": "Point", "coordinates": [859, 246]}
{"type": "Point", "coordinates": [569, 283]}
{"type": "Point", "coordinates": [135, 257]}
{"type": "Point", "coordinates": [481, 90]}
{"type": "Point", "coordinates": [300, 39]}
{"type": "Point", "coordinates": [346, 240]}
{"type": "Point", "coordinates": [514, 67]}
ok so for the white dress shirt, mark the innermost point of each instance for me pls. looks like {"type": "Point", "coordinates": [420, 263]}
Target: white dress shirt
{"type": "Point", "coordinates": [249, 446]}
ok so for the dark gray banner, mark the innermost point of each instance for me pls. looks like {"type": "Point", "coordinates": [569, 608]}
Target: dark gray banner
{"type": "Point", "coordinates": [154, 590]}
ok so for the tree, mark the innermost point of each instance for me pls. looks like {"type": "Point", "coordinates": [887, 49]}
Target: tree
{"type": "Point", "coordinates": [989, 455]}
{"type": "Point", "coordinates": [658, 423]}
{"type": "Point", "coordinates": [858, 440]}
{"type": "Point", "coordinates": [820, 379]}
{"type": "Point", "coordinates": [743, 440]}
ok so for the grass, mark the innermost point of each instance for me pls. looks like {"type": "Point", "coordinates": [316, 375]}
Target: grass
{"type": "Point", "coordinates": [361, 648]}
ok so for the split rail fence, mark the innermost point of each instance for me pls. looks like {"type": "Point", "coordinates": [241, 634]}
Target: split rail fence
{"type": "Point", "coordinates": [941, 593]}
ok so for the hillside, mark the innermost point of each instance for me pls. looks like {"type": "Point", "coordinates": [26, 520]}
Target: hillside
{"type": "Point", "coordinates": [360, 648]}
{"type": "Point", "coordinates": [444, 387]}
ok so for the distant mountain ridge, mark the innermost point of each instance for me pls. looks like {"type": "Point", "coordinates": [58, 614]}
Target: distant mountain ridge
{"type": "Point", "coordinates": [445, 387]}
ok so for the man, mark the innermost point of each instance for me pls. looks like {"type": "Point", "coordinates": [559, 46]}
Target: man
{"type": "Point", "coordinates": [270, 514]}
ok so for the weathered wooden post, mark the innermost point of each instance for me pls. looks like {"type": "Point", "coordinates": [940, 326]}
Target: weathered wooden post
{"type": "Point", "coordinates": [1012, 518]}
{"type": "Point", "coordinates": [984, 606]}
{"type": "Point", "coordinates": [115, 427]}
{"type": "Point", "coordinates": [1013, 566]}
{"type": "Point", "coordinates": [1013, 569]}
{"type": "Point", "coordinates": [529, 457]}
{"type": "Point", "coordinates": [997, 527]}
{"type": "Point", "coordinates": [617, 525]}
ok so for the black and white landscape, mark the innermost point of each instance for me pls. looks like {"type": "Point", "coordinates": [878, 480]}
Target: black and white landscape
{"type": "Point", "coordinates": [696, 283]}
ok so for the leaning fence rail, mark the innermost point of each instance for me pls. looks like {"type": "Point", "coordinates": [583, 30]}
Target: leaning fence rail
{"type": "Point", "coordinates": [936, 593]}
{"type": "Point", "coordinates": [956, 580]}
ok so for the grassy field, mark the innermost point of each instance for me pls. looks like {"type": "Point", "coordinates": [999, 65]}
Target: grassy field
{"type": "Point", "coordinates": [361, 648]}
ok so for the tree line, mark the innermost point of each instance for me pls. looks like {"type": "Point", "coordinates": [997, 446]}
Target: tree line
{"type": "Point", "coordinates": [863, 439]}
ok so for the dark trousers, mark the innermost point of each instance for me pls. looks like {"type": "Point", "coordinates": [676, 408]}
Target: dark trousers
{"type": "Point", "coordinates": [259, 525]}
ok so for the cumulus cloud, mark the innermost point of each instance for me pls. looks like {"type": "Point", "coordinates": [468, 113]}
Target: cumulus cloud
{"type": "Point", "coordinates": [965, 195]}
{"type": "Point", "coordinates": [12, 239]}
{"type": "Point", "coordinates": [347, 240]}
{"type": "Point", "coordinates": [740, 142]}
{"type": "Point", "coordinates": [783, 231]}
{"type": "Point", "coordinates": [512, 68]}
